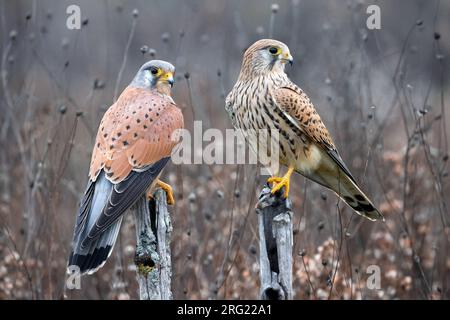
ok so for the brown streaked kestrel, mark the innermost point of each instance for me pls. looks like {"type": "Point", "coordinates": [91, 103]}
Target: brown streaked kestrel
{"type": "Point", "coordinates": [265, 98]}
{"type": "Point", "coordinates": [134, 143]}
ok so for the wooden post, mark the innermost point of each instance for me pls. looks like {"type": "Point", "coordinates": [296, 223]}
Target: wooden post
{"type": "Point", "coordinates": [275, 245]}
{"type": "Point", "coordinates": [153, 258]}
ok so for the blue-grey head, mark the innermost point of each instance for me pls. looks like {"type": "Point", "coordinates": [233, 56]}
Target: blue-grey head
{"type": "Point", "coordinates": [155, 74]}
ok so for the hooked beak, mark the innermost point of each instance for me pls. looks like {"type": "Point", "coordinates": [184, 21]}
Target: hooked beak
{"type": "Point", "coordinates": [287, 58]}
{"type": "Point", "coordinates": [168, 77]}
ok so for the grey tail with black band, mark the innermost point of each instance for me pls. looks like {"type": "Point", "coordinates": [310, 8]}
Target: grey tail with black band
{"type": "Point", "coordinates": [100, 215]}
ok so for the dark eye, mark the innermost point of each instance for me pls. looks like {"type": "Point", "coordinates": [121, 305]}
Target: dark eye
{"type": "Point", "coordinates": [273, 50]}
{"type": "Point", "coordinates": [154, 70]}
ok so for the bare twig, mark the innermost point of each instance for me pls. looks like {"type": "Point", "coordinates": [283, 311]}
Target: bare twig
{"type": "Point", "coordinates": [125, 56]}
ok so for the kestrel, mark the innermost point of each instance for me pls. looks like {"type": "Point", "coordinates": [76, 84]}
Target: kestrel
{"type": "Point", "coordinates": [134, 143]}
{"type": "Point", "coordinates": [265, 98]}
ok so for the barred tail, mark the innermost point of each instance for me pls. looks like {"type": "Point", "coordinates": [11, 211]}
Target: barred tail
{"type": "Point", "coordinates": [92, 257]}
{"type": "Point", "coordinates": [333, 174]}
{"type": "Point", "coordinates": [357, 200]}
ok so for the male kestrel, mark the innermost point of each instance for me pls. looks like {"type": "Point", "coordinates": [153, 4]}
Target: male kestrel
{"type": "Point", "coordinates": [264, 98]}
{"type": "Point", "coordinates": [134, 143]}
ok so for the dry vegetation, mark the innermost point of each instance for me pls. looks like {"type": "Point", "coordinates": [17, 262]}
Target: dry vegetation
{"type": "Point", "coordinates": [383, 95]}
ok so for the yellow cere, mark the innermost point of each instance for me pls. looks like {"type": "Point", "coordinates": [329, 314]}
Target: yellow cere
{"type": "Point", "coordinates": [167, 75]}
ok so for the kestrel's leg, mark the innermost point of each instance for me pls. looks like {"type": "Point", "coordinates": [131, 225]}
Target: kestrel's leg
{"type": "Point", "coordinates": [281, 182]}
{"type": "Point", "coordinates": [167, 188]}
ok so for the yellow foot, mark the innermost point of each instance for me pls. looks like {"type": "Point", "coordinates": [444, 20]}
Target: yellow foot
{"type": "Point", "coordinates": [281, 182]}
{"type": "Point", "coordinates": [167, 189]}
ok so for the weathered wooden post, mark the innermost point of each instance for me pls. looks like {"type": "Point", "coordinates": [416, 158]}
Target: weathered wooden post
{"type": "Point", "coordinates": [275, 245]}
{"type": "Point", "coordinates": [153, 257]}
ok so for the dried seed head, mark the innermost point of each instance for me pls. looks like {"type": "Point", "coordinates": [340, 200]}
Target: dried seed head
{"type": "Point", "coordinates": [321, 225]}
{"type": "Point", "coordinates": [192, 197]}
{"type": "Point", "coordinates": [165, 37]}
{"type": "Point", "coordinates": [274, 7]}
{"type": "Point", "coordinates": [144, 49]}
{"type": "Point", "coordinates": [98, 84]}
{"type": "Point", "coordinates": [13, 34]}
{"type": "Point", "coordinates": [62, 109]}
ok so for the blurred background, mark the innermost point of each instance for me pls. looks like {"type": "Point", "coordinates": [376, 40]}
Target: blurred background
{"type": "Point", "coordinates": [383, 94]}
